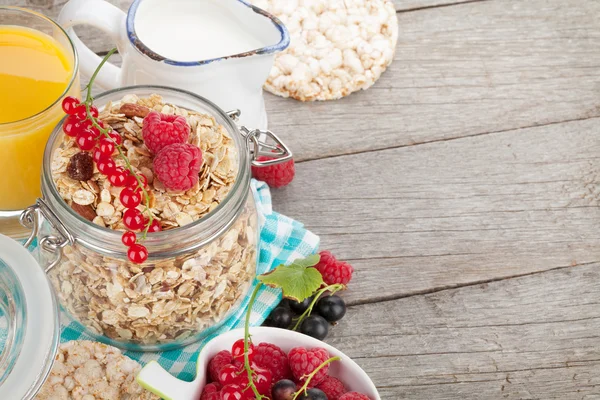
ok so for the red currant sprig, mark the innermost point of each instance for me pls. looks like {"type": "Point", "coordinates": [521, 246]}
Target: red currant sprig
{"type": "Point", "coordinates": [91, 135]}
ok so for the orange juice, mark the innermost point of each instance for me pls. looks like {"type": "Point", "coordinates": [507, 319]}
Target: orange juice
{"type": "Point", "coordinates": [36, 72]}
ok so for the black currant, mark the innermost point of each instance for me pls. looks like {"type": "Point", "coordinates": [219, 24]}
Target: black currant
{"type": "Point", "coordinates": [313, 394]}
{"type": "Point", "coordinates": [280, 317]}
{"type": "Point", "coordinates": [283, 390]}
{"type": "Point", "coordinates": [315, 326]}
{"type": "Point", "coordinates": [300, 307]}
{"type": "Point", "coordinates": [284, 303]}
{"type": "Point", "coordinates": [332, 308]}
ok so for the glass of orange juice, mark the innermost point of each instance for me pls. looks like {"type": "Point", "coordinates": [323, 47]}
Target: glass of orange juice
{"type": "Point", "coordinates": [38, 69]}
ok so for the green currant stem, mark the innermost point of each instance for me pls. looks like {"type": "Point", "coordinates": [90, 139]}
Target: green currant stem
{"type": "Point", "coordinates": [88, 101]}
{"type": "Point", "coordinates": [333, 288]}
{"type": "Point", "coordinates": [247, 340]}
{"type": "Point", "coordinates": [309, 377]}
{"type": "Point", "coordinates": [88, 98]}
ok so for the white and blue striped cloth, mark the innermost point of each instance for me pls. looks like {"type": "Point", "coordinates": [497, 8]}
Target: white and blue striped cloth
{"type": "Point", "coordinates": [282, 240]}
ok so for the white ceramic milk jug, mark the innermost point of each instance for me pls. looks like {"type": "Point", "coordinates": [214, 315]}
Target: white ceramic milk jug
{"type": "Point", "coordinates": [220, 49]}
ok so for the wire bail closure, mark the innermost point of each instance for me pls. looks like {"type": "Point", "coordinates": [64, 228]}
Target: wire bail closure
{"type": "Point", "coordinates": [263, 143]}
{"type": "Point", "coordinates": [31, 218]}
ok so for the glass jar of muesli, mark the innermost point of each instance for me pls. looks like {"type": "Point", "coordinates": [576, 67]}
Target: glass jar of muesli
{"type": "Point", "coordinates": [200, 267]}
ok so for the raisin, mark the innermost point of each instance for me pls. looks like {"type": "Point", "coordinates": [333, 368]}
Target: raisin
{"type": "Point", "coordinates": [81, 167]}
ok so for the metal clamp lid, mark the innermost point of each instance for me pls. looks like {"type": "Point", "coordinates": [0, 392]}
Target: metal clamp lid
{"type": "Point", "coordinates": [53, 243]}
{"type": "Point", "coordinates": [263, 143]}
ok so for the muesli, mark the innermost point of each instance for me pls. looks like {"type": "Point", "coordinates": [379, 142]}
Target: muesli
{"type": "Point", "coordinates": [164, 300]}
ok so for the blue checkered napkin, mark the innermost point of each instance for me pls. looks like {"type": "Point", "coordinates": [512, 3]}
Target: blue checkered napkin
{"type": "Point", "coordinates": [282, 240]}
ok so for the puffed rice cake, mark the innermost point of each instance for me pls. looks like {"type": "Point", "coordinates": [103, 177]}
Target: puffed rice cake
{"type": "Point", "coordinates": [85, 370]}
{"type": "Point", "coordinates": [337, 46]}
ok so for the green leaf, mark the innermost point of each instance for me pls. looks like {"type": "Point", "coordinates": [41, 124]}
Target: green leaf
{"type": "Point", "coordinates": [309, 261]}
{"type": "Point", "coordinates": [296, 281]}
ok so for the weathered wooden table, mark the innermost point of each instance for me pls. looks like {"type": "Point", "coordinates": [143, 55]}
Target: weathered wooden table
{"type": "Point", "coordinates": [463, 187]}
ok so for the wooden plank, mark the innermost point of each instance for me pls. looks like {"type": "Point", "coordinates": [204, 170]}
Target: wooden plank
{"type": "Point", "coordinates": [409, 5]}
{"type": "Point", "coordinates": [52, 7]}
{"type": "Point", "coordinates": [462, 70]}
{"type": "Point", "coordinates": [459, 71]}
{"type": "Point", "coordinates": [534, 337]}
{"type": "Point", "coordinates": [433, 216]}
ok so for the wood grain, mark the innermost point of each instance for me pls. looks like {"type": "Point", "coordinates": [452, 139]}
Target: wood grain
{"type": "Point", "coordinates": [413, 5]}
{"type": "Point", "coordinates": [462, 70]}
{"type": "Point", "coordinates": [463, 187]}
{"type": "Point", "coordinates": [534, 337]}
{"type": "Point", "coordinates": [52, 7]}
{"type": "Point", "coordinates": [438, 215]}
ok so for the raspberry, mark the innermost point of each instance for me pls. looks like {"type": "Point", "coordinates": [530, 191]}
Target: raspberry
{"type": "Point", "coordinates": [334, 271]}
{"type": "Point", "coordinates": [277, 175]}
{"type": "Point", "coordinates": [354, 396]}
{"type": "Point", "coordinates": [177, 166]}
{"type": "Point", "coordinates": [274, 359]}
{"type": "Point", "coordinates": [303, 362]}
{"type": "Point", "coordinates": [220, 360]}
{"type": "Point", "coordinates": [211, 392]}
{"type": "Point", "coordinates": [332, 387]}
{"type": "Point", "coordinates": [160, 130]}
{"type": "Point", "coordinates": [211, 396]}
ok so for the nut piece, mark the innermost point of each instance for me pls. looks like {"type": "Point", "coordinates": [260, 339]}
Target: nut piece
{"type": "Point", "coordinates": [134, 110]}
{"type": "Point", "coordinates": [81, 167]}
{"type": "Point", "coordinates": [86, 212]}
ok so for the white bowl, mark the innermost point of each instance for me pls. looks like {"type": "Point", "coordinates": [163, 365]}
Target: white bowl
{"type": "Point", "coordinates": [154, 378]}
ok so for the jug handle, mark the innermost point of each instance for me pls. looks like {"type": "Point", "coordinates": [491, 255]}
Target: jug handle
{"type": "Point", "coordinates": [101, 15]}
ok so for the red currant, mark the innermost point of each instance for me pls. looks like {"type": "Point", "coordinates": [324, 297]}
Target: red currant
{"type": "Point", "coordinates": [237, 350]}
{"type": "Point", "coordinates": [229, 374]}
{"type": "Point", "coordinates": [94, 111]}
{"type": "Point", "coordinates": [97, 155]}
{"type": "Point", "coordinates": [154, 226]}
{"type": "Point", "coordinates": [71, 126]}
{"type": "Point", "coordinates": [129, 239]}
{"type": "Point", "coordinates": [118, 177]}
{"type": "Point", "coordinates": [132, 182]}
{"type": "Point", "coordinates": [130, 198]}
{"type": "Point", "coordinates": [85, 124]}
{"type": "Point", "coordinates": [106, 146]}
{"type": "Point", "coordinates": [262, 379]}
{"type": "Point", "coordinates": [137, 253]}
{"type": "Point", "coordinates": [85, 140]}
{"type": "Point", "coordinates": [133, 218]}
{"type": "Point", "coordinates": [106, 165]}
{"type": "Point", "coordinates": [116, 138]}
{"type": "Point", "coordinates": [95, 132]}
{"type": "Point", "coordinates": [80, 112]}
{"type": "Point", "coordinates": [69, 104]}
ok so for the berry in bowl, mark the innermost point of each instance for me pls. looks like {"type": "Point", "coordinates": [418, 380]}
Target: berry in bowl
{"type": "Point", "coordinates": [147, 225]}
{"type": "Point", "coordinates": [285, 365]}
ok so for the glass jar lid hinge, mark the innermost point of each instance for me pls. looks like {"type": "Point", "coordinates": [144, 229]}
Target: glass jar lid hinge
{"type": "Point", "coordinates": [263, 143]}
{"type": "Point", "coordinates": [52, 243]}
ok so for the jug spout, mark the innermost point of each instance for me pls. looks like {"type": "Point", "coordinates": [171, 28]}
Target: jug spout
{"type": "Point", "coordinates": [157, 380]}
